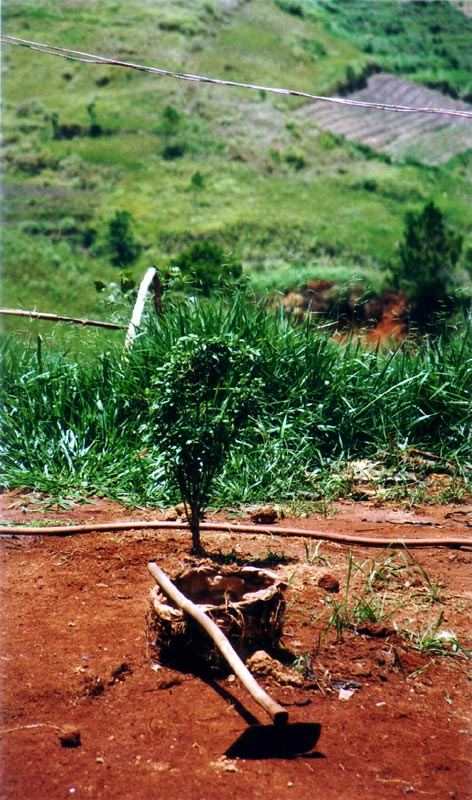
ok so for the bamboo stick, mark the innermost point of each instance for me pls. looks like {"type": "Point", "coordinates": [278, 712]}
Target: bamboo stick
{"type": "Point", "coordinates": [16, 312]}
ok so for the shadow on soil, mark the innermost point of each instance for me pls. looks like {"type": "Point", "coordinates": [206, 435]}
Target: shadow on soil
{"type": "Point", "coordinates": [258, 741]}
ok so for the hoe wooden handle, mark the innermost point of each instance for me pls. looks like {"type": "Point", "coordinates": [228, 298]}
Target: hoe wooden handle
{"type": "Point", "coordinates": [276, 712]}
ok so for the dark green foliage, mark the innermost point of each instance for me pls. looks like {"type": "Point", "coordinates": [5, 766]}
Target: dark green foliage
{"type": "Point", "coordinates": [207, 266]}
{"type": "Point", "coordinates": [95, 128]}
{"type": "Point", "coordinates": [197, 182]}
{"type": "Point", "coordinates": [356, 78]}
{"type": "Point", "coordinates": [369, 184]}
{"type": "Point", "coordinates": [295, 159]}
{"type": "Point", "coordinates": [291, 7]}
{"type": "Point", "coordinates": [121, 241]}
{"type": "Point", "coordinates": [55, 125]}
{"type": "Point", "coordinates": [173, 150]}
{"type": "Point", "coordinates": [69, 130]}
{"type": "Point", "coordinates": [64, 130]}
{"type": "Point", "coordinates": [428, 255]}
{"type": "Point", "coordinates": [171, 119]}
{"type": "Point", "coordinates": [89, 235]}
{"type": "Point", "coordinates": [200, 398]}
{"type": "Point", "coordinates": [169, 126]}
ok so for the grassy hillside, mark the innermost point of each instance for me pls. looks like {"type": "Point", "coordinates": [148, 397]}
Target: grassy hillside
{"type": "Point", "coordinates": [428, 41]}
{"type": "Point", "coordinates": [243, 168]}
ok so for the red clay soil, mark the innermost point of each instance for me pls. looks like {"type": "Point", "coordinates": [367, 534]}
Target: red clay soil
{"type": "Point", "coordinates": [382, 319]}
{"type": "Point", "coordinates": [88, 714]}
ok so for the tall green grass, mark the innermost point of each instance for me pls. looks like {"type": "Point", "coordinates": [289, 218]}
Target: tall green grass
{"type": "Point", "coordinates": [74, 424]}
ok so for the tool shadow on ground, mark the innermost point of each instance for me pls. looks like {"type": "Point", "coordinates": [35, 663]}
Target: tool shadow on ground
{"type": "Point", "coordinates": [287, 740]}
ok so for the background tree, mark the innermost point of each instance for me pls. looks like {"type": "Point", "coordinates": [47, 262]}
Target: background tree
{"type": "Point", "coordinates": [95, 129]}
{"type": "Point", "coordinates": [199, 400]}
{"type": "Point", "coordinates": [207, 266]}
{"type": "Point", "coordinates": [121, 241]}
{"type": "Point", "coordinates": [428, 256]}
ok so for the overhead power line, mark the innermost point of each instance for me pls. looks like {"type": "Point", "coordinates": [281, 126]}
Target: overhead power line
{"type": "Point", "coordinates": [90, 58]}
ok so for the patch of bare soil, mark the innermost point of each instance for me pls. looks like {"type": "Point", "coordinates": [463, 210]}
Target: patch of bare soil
{"type": "Point", "coordinates": [382, 318]}
{"type": "Point", "coordinates": [431, 138]}
{"type": "Point", "coordinates": [87, 712]}
{"type": "Point", "coordinates": [465, 6]}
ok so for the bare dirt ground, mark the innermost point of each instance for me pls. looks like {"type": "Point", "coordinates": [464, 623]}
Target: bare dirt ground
{"type": "Point", "coordinates": [382, 319]}
{"type": "Point", "coordinates": [465, 6]}
{"type": "Point", "coordinates": [75, 656]}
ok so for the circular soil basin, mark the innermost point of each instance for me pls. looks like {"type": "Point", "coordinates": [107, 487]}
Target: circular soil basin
{"type": "Point", "coordinates": [247, 603]}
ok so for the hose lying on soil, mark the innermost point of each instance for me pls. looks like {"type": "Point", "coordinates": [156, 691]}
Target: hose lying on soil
{"type": "Point", "coordinates": [366, 541]}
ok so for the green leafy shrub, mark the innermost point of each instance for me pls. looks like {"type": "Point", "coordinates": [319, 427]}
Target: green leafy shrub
{"type": "Point", "coordinates": [356, 78]}
{"type": "Point", "coordinates": [95, 129]}
{"type": "Point", "coordinates": [295, 159]}
{"type": "Point", "coordinates": [170, 122]}
{"type": "Point", "coordinates": [121, 241]}
{"type": "Point", "coordinates": [89, 235]}
{"type": "Point", "coordinates": [207, 266]}
{"type": "Point", "coordinates": [65, 130]}
{"type": "Point", "coordinates": [428, 256]}
{"type": "Point", "coordinates": [173, 150]}
{"type": "Point", "coordinates": [197, 182]}
{"type": "Point", "coordinates": [36, 227]}
{"type": "Point", "coordinates": [200, 398]}
{"type": "Point", "coordinates": [169, 128]}
{"type": "Point", "coordinates": [68, 226]}
{"type": "Point", "coordinates": [31, 163]}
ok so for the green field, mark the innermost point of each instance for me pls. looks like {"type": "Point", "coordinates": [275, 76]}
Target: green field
{"type": "Point", "coordinates": [288, 199]}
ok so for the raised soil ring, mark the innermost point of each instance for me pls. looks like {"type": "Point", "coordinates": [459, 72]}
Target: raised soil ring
{"type": "Point", "coordinates": [246, 603]}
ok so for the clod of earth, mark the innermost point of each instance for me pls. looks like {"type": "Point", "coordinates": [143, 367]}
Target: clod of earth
{"type": "Point", "coordinates": [266, 515]}
{"type": "Point", "coordinates": [329, 583]}
{"type": "Point", "coordinates": [70, 737]}
{"type": "Point", "coordinates": [263, 665]}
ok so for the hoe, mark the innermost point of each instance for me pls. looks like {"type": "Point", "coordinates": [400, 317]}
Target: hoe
{"type": "Point", "coordinates": [281, 739]}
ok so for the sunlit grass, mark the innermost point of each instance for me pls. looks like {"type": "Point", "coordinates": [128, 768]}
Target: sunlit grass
{"type": "Point", "coordinates": [71, 422]}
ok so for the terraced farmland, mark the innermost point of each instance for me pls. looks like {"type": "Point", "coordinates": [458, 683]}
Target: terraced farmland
{"type": "Point", "coordinates": [431, 139]}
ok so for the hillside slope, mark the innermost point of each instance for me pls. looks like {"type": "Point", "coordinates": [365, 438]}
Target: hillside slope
{"type": "Point", "coordinates": [430, 139]}
{"type": "Point", "coordinates": [252, 171]}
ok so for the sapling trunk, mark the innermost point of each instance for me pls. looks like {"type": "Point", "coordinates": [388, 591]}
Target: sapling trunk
{"type": "Point", "coordinates": [193, 512]}
{"type": "Point", "coordinates": [194, 523]}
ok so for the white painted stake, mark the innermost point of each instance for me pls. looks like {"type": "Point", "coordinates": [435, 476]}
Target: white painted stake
{"type": "Point", "coordinates": [139, 307]}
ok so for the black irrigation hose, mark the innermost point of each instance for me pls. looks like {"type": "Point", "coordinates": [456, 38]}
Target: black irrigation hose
{"type": "Point", "coordinates": [365, 541]}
